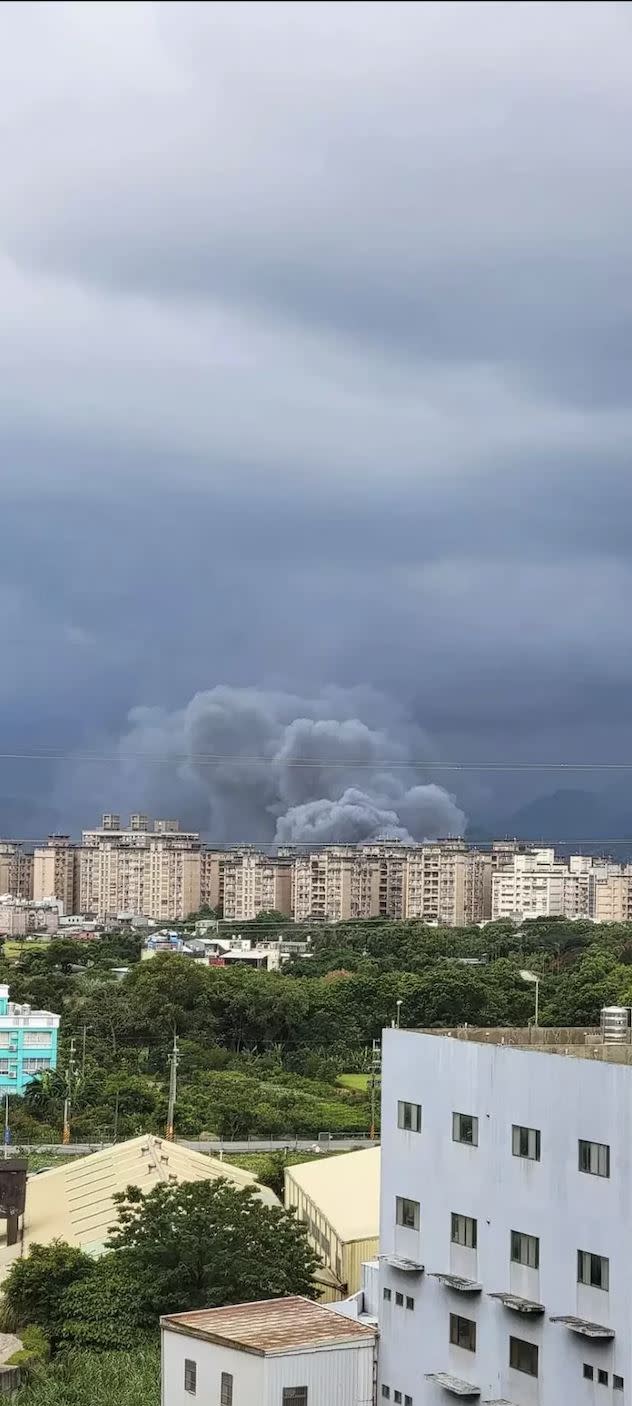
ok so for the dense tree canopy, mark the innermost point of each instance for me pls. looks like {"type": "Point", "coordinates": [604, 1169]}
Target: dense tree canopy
{"type": "Point", "coordinates": [260, 1052]}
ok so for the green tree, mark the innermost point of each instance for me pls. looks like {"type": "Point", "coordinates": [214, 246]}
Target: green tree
{"type": "Point", "coordinates": [34, 1286]}
{"type": "Point", "coordinates": [203, 1244]}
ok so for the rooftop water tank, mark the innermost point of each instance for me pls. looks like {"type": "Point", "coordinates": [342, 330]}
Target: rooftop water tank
{"type": "Point", "coordinates": [615, 1025]}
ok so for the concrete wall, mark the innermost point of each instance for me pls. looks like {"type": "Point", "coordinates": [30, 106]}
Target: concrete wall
{"type": "Point", "coordinates": [566, 1099]}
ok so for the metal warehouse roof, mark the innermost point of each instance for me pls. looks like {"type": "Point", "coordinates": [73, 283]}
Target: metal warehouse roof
{"type": "Point", "coordinates": [271, 1326]}
{"type": "Point", "coordinates": [345, 1189]}
{"type": "Point", "coordinates": [75, 1202]}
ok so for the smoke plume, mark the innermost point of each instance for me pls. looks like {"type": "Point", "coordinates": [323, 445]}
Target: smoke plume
{"type": "Point", "coordinates": [253, 765]}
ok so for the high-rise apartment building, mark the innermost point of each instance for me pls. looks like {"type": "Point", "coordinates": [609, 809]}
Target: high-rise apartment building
{"type": "Point", "coordinates": [152, 871]}
{"type": "Point", "coordinates": [254, 883]}
{"type": "Point", "coordinates": [506, 1221]}
{"type": "Point", "coordinates": [212, 878]}
{"type": "Point", "coordinates": [56, 872]}
{"type": "Point", "coordinates": [447, 883]}
{"type": "Point", "coordinates": [16, 870]}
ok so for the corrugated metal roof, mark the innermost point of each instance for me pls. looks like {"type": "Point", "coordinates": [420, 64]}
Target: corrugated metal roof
{"type": "Point", "coordinates": [75, 1202]}
{"type": "Point", "coordinates": [346, 1190]}
{"type": "Point", "coordinates": [271, 1326]}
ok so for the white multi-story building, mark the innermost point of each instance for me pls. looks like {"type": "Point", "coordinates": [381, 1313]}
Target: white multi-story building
{"type": "Point", "coordinates": [506, 1222]}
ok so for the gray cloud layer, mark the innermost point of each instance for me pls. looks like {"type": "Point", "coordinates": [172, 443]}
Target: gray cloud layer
{"type": "Point", "coordinates": [315, 350]}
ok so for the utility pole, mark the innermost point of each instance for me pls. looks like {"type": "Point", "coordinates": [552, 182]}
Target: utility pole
{"type": "Point", "coordinates": [376, 1071]}
{"type": "Point", "coordinates": [173, 1087]}
{"type": "Point", "coordinates": [83, 1056]}
{"type": "Point", "coordinates": [70, 1075]}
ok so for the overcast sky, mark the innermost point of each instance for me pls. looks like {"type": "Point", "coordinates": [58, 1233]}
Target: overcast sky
{"type": "Point", "coordinates": [315, 345]}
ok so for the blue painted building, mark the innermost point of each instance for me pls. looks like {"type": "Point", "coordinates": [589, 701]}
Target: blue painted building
{"type": "Point", "coordinates": [28, 1043]}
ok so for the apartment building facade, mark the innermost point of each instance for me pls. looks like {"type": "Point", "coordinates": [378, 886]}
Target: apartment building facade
{"type": "Point", "coordinates": [506, 1224]}
{"type": "Point", "coordinates": [16, 870]}
{"type": "Point", "coordinates": [255, 883]}
{"type": "Point", "coordinates": [144, 869]}
{"type": "Point", "coordinates": [447, 883]}
{"type": "Point", "coordinates": [56, 872]}
{"type": "Point", "coordinates": [28, 1043]}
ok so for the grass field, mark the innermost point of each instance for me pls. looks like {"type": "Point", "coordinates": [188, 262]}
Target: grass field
{"type": "Point", "coordinates": [358, 1083]}
{"type": "Point", "coordinates": [12, 950]}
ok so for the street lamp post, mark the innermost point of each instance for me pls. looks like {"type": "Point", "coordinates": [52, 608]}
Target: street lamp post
{"type": "Point", "coordinates": [399, 1012]}
{"type": "Point", "coordinates": [535, 980]}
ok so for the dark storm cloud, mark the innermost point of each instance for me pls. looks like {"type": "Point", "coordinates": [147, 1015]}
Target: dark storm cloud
{"type": "Point", "coordinates": [315, 349]}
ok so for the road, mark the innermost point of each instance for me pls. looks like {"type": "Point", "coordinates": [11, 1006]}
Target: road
{"type": "Point", "coordinates": [325, 1144]}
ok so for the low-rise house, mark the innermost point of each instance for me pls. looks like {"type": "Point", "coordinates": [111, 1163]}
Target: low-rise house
{"type": "Point", "coordinates": [279, 1352]}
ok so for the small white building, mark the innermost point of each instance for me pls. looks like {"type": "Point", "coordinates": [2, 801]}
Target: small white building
{"type": "Point", "coordinates": [278, 1352]}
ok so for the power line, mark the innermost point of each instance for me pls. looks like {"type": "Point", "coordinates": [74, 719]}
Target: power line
{"type": "Point", "coordinates": [335, 763]}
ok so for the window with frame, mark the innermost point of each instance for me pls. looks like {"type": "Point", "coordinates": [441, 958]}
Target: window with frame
{"type": "Point", "coordinates": [464, 1230]}
{"type": "Point", "coordinates": [190, 1376]}
{"type": "Point", "coordinates": [525, 1249]}
{"type": "Point", "coordinates": [388, 1295]}
{"type": "Point", "coordinates": [399, 1300]}
{"type": "Point", "coordinates": [617, 1382]}
{"type": "Point", "coordinates": [408, 1401]}
{"type": "Point", "coordinates": [397, 1398]}
{"type": "Point", "coordinates": [465, 1128]}
{"type": "Point", "coordinates": [386, 1393]}
{"type": "Point", "coordinates": [593, 1270]}
{"type": "Point", "coordinates": [602, 1377]}
{"type": "Point", "coordinates": [410, 1303]}
{"type": "Point", "coordinates": [295, 1396]}
{"type": "Point", "coordinates": [588, 1372]}
{"type": "Point", "coordinates": [409, 1116]}
{"type": "Point", "coordinates": [226, 1389]}
{"type": "Point", "coordinates": [407, 1213]}
{"type": "Point", "coordinates": [523, 1356]}
{"type": "Point", "coordinates": [525, 1142]}
{"type": "Point", "coordinates": [594, 1157]}
{"type": "Point", "coordinates": [463, 1332]}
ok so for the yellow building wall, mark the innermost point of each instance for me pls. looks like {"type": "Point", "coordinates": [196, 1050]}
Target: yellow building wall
{"type": "Point", "coordinates": [355, 1253]}
{"type": "Point", "coordinates": [342, 1260]}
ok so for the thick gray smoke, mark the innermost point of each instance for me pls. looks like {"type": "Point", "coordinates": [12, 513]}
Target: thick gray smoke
{"type": "Point", "coordinates": [244, 764]}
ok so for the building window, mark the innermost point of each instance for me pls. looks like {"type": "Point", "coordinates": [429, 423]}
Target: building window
{"type": "Point", "coordinates": [410, 1303]}
{"type": "Point", "coordinates": [407, 1213]}
{"type": "Point", "coordinates": [523, 1357]}
{"type": "Point", "coordinates": [397, 1398]}
{"type": "Point", "coordinates": [593, 1270]}
{"type": "Point", "coordinates": [409, 1117]}
{"type": "Point", "coordinates": [295, 1396]}
{"type": "Point", "coordinates": [588, 1371]}
{"type": "Point", "coordinates": [463, 1332]}
{"type": "Point", "coordinates": [388, 1295]}
{"type": "Point", "coordinates": [594, 1157]}
{"type": "Point", "coordinates": [386, 1393]}
{"type": "Point", "coordinates": [408, 1401]}
{"type": "Point", "coordinates": [226, 1389]}
{"type": "Point", "coordinates": [399, 1300]}
{"type": "Point", "coordinates": [37, 1037]}
{"type": "Point", "coordinates": [525, 1249]}
{"type": "Point", "coordinates": [525, 1142]}
{"type": "Point", "coordinates": [602, 1377]}
{"type": "Point", "coordinates": [465, 1128]}
{"type": "Point", "coordinates": [464, 1231]}
{"type": "Point", "coordinates": [190, 1376]}
{"type": "Point", "coordinates": [617, 1382]}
